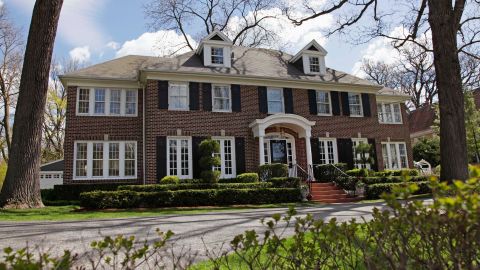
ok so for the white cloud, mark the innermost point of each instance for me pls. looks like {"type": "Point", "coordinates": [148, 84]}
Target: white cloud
{"type": "Point", "coordinates": [80, 54]}
{"type": "Point", "coordinates": [160, 43]}
{"type": "Point", "coordinates": [1, 3]}
{"type": "Point", "coordinates": [113, 45]}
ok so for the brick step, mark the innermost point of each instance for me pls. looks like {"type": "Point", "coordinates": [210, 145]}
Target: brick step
{"type": "Point", "coordinates": [323, 184]}
{"type": "Point", "coordinates": [332, 196]}
{"type": "Point", "coordinates": [327, 192]}
{"type": "Point", "coordinates": [326, 188]}
{"type": "Point", "coordinates": [341, 200]}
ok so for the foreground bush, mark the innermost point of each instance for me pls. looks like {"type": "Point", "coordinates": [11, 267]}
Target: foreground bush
{"type": "Point", "coordinates": [155, 188]}
{"type": "Point", "coordinates": [375, 191]}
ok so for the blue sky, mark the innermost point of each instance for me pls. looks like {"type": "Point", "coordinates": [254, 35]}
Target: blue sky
{"type": "Point", "coordinates": [99, 30]}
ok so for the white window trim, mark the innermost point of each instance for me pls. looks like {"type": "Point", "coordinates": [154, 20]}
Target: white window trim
{"type": "Point", "coordinates": [329, 103]}
{"type": "Point", "coordinates": [179, 158]}
{"type": "Point", "coordinates": [335, 150]}
{"type": "Point", "coordinates": [357, 141]}
{"type": "Point", "coordinates": [310, 65]}
{"type": "Point", "coordinates": [361, 104]}
{"type": "Point", "coordinates": [223, 56]}
{"type": "Point", "coordinates": [91, 107]}
{"type": "Point", "coordinates": [188, 96]}
{"type": "Point", "coordinates": [282, 100]}
{"type": "Point", "coordinates": [389, 155]}
{"type": "Point", "coordinates": [383, 105]}
{"type": "Point", "coordinates": [222, 155]}
{"type": "Point", "coordinates": [105, 161]}
{"type": "Point", "coordinates": [213, 97]}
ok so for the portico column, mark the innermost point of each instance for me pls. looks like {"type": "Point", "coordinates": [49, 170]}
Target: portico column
{"type": "Point", "coordinates": [309, 151]}
{"type": "Point", "coordinates": [261, 150]}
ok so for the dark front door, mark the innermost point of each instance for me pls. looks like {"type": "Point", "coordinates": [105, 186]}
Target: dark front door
{"type": "Point", "coordinates": [278, 151]}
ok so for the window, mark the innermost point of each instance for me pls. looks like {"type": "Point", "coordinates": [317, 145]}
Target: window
{"type": "Point", "coordinates": [83, 101]}
{"type": "Point", "coordinates": [179, 161]}
{"type": "Point", "coordinates": [275, 100]}
{"type": "Point", "coordinates": [217, 55]}
{"type": "Point", "coordinates": [357, 156]}
{"type": "Point", "coordinates": [328, 150]}
{"type": "Point", "coordinates": [178, 96]}
{"type": "Point", "coordinates": [389, 113]}
{"type": "Point", "coordinates": [323, 103]}
{"type": "Point", "coordinates": [227, 157]}
{"type": "Point", "coordinates": [394, 155]}
{"type": "Point", "coordinates": [314, 64]}
{"type": "Point", "coordinates": [355, 104]}
{"type": "Point", "coordinates": [105, 160]}
{"type": "Point", "coordinates": [221, 96]}
{"type": "Point", "coordinates": [107, 102]}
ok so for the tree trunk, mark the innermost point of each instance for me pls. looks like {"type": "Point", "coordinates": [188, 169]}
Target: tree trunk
{"type": "Point", "coordinates": [453, 146]}
{"type": "Point", "coordinates": [22, 184]}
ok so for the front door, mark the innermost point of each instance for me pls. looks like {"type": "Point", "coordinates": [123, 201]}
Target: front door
{"type": "Point", "coordinates": [278, 151]}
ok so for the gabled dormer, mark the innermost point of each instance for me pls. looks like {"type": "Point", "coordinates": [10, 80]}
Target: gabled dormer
{"type": "Point", "coordinates": [216, 49]}
{"type": "Point", "coordinates": [311, 59]}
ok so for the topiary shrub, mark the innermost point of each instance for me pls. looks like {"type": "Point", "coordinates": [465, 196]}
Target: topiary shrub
{"type": "Point", "coordinates": [247, 178]}
{"type": "Point", "coordinates": [208, 161]}
{"type": "Point", "coordinates": [268, 171]}
{"type": "Point", "coordinates": [170, 180]}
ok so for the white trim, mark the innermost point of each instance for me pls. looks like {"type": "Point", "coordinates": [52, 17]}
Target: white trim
{"type": "Point", "coordinates": [222, 140]}
{"type": "Point", "coordinates": [187, 87]}
{"type": "Point", "coordinates": [213, 97]}
{"type": "Point", "coordinates": [360, 103]}
{"type": "Point", "coordinates": [91, 104]}
{"type": "Point", "coordinates": [296, 122]}
{"type": "Point", "coordinates": [324, 140]}
{"type": "Point", "coordinates": [329, 102]}
{"type": "Point", "coordinates": [289, 138]}
{"type": "Point", "coordinates": [389, 154]}
{"type": "Point", "coordinates": [50, 162]}
{"type": "Point", "coordinates": [179, 158]}
{"type": "Point", "coordinates": [321, 51]}
{"type": "Point", "coordinates": [383, 106]}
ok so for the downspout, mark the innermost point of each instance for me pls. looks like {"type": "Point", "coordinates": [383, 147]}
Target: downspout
{"type": "Point", "coordinates": [143, 131]}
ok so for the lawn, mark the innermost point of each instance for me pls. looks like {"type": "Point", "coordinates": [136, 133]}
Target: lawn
{"type": "Point", "coordinates": [73, 212]}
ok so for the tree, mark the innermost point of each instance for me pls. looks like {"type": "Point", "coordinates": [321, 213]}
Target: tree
{"type": "Point", "coordinates": [472, 124]}
{"type": "Point", "coordinates": [21, 188]}
{"type": "Point", "coordinates": [365, 154]}
{"type": "Point", "coordinates": [11, 50]}
{"type": "Point", "coordinates": [242, 20]}
{"type": "Point", "coordinates": [427, 149]}
{"type": "Point", "coordinates": [451, 34]}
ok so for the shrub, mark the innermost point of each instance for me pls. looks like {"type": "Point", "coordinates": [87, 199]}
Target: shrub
{"type": "Point", "coordinates": [285, 182]}
{"type": "Point", "coordinates": [392, 179]}
{"type": "Point", "coordinates": [267, 171]}
{"type": "Point", "coordinates": [247, 178]}
{"type": "Point", "coordinates": [375, 190]}
{"type": "Point", "coordinates": [170, 179]}
{"type": "Point", "coordinates": [358, 172]}
{"type": "Point", "coordinates": [347, 183]}
{"type": "Point", "coordinates": [328, 172]}
{"type": "Point", "coordinates": [208, 160]}
{"type": "Point", "coordinates": [407, 172]}
{"type": "Point", "coordinates": [157, 187]}
{"type": "Point", "coordinates": [71, 192]}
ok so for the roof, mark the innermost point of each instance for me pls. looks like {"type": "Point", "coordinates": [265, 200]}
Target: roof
{"type": "Point", "coordinates": [54, 166]}
{"type": "Point", "coordinates": [421, 119]}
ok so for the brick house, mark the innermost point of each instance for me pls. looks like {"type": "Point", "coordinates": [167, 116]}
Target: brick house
{"type": "Point", "coordinates": [136, 119]}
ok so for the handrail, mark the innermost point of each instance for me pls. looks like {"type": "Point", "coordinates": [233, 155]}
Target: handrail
{"type": "Point", "coordinates": [309, 177]}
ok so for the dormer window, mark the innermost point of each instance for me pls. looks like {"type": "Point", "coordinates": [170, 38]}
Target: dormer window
{"type": "Point", "coordinates": [217, 55]}
{"type": "Point", "coordinates": [314, 64]}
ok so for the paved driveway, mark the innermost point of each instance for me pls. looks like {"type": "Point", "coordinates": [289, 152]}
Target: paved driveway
{"type": "Point", "coordinates": [191, 231]}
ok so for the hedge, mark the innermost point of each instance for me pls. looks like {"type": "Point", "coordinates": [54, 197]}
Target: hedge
{"type": "Point", "coordinates": [71, 192]}
{"type": "Point", "coordinates": [375, 190]}
{"type": "Point", "coordinates": [268, 171]}
{"type": "Point", "coordinates": [284, 182]}
{"type": "Point", "coordinates": [205, 197]}
{"type": "Point", "coordinates": [328, 172]}
{"type": "Point", "coordinates": [392, 179]}
{"type": "Point", "coordinates": [173, 187]}
{"type": "Point", "coordinates": [409, 172]}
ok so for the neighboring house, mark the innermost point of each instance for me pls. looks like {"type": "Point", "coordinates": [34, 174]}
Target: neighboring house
{"type": "Point", "coordinates": [136, 119]}
{"type": "Point", "coordinates": [51, 174]}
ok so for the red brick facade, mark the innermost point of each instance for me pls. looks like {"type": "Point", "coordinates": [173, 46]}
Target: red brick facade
{"type": "Point", "coordinates": [162, 122]}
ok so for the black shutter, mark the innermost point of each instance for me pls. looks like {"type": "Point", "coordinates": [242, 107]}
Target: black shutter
{"type": "Point", "coordinates": [240, 154]}
{"type": "Point", "coordinates": [335, 103]}
{"type": "Point", "coordinates": [207, 96]}
{"type": "Point", "coordinates": [314, 144]}
{"type": "Point", "coordinates": [161, 157]}
{"type": "Point", "coordinates": [345, 104]}
{"type": "Point", "coordinates": [262, 99]}
{"type": "Point", "coordinates": [374, 154]}
{"type": "Point", "coordinates": [163, 94]}
{"type": "Point", "coordinates": [345, 152]}
{"type": "Point", "coordinates": [288, 100]}
{"type": "Point", "coordinates": [366, 105]}
{"type": "Point", "coordinates": [194, 96]}
{"type": "Point", "coordinates": [236, 98]}
{"type": "Point", "coordinates": [312, 101]}
{"type": "Point", "coordinates": [196, 156]}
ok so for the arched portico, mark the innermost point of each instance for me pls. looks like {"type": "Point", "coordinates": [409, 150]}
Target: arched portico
{"type": "Point", "coordinates": [297, 123]}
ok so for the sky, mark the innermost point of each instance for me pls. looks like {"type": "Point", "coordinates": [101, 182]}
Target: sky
{"type": "Point", "coordinates": [94, 31]}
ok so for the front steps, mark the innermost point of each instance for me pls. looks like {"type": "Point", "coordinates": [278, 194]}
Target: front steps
{"type": "Point", "coordinates": [329, 193]}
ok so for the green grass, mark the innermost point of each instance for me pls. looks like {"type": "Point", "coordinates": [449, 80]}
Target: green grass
{"type": "Point", "coordinates": [72, 212]}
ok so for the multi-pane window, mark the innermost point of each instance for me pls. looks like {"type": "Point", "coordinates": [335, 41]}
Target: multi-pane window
{"type": "Point", "coordinates": [179, 161]}
{"type": "Point", "coordinates": [83, 100]}
{"type": "Point", "coordinates": [217, 55]}
{"type": "Point", "coordinates": [394, 155]}
{"type": "Point", "coordinates": [355, 104]}
{"type": "Point", "coordinates": [275, 100]}
{"type": "Point", "coordinates": [328, 150]}
{"type": "Point", "coordinates": [357, 157]}
{"type": "Point", "coordinates": [178, 96]}
{"type": "Point", "coordinates": [227, 157]}
{"type": "Point", "coordinates": [323, 103]}
{"type": "Point", "coordinates": [314, 64]}
{"type": "Point", "coordinates": [389, 113]}
{"type": "Point", "coordinates": [221, 96]}
{"type": "Point", "coordinates": [105, 160]}
{"type": "Point", "coordinates": [108, 102]}
{"type": "Point", "coordinates": [290, 152]}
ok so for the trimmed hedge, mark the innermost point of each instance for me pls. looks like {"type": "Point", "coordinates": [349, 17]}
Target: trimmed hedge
{"type": "Point", "coordinates": [201, 186]}
{"type": "Point", "coordinates": [206, 197]}
{"type": "Point", "coordinates": [327, 172]}
{"type": "Point", "coordinates": [358, 172]}
{"type": "Point", "coordinates": [386, 173]}
{"type": "Point", "coordinates": [284, 182]}
{"type": "Point", "coordinates": [268, 171]}
{"type": "Point", "coordinates": [375, 190]}
{"type": "Point", "coordinates": [72, 192]}
{"type": "Point", "coordinates": [247, 178]}
{"type": "Point", "coordinates": [392, 179]}
{"type": "Point", "coordinates": [170, 179]}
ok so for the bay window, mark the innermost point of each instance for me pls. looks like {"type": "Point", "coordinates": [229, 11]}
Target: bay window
{"type": "Point", "coordinates": [179, 157]}
{"type": "Point", "coordinates": [355, 104]}
{"type": "Point", "coordinates": [328, 150]}
{"type": "Point", "coordinates": [221, 97]}
{"type": "Point", "coordinates": [226, 156]}
{"type": "Point", "coordinates": [389, 113]}
{"type": "Point", "coordinates": [107, 102]}
{"type": "Point", "coordinates": [324, 107]}
{"type": "Point", "coordinates": [394, 155]}
{"type": "Point", "coordinates": [275, 100]}
{"type": "Point", "coordinates": [178, 96]}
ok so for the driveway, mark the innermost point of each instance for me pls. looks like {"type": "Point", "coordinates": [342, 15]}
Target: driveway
{"type": "Point", "coordinates": [191, 231]}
